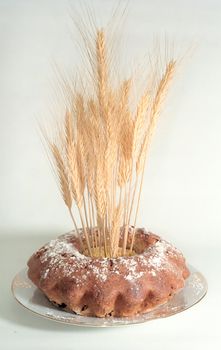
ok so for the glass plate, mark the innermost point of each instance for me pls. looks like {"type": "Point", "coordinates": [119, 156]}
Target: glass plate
{"type": "Point", "coordinates": [26, 293]}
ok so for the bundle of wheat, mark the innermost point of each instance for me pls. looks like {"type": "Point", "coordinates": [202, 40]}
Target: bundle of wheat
{"type": "Point", "coordinates": [99, 151]}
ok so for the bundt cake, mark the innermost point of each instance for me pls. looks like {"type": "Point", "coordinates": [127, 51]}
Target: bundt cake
{"type": "Point", "coordinates": [104, 287]}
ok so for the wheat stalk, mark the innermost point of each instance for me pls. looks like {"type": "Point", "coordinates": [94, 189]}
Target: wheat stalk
{"type": "Point", "coordinates": [64, 183]}
{"type": "Point", "coordinates": [154, 113]}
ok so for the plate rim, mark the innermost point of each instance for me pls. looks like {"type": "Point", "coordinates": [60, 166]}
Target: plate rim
{"type": "Point", "coordinates": [105, 325]}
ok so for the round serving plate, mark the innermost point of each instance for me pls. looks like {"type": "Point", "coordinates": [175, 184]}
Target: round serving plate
{"type": "Point", "coordinates": [26, 293]}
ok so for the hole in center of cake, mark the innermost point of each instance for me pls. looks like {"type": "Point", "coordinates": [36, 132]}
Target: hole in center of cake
{"type": "Point", "coordinates": [105, 248]}
{"type": "Point", "coordinates": [105, 252]}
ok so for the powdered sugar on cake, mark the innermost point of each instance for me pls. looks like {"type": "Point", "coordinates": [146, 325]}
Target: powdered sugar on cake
{"type": "Point", "coordinates": [57, 248]}
{"type": "Point", "coordinates": [62, 254]}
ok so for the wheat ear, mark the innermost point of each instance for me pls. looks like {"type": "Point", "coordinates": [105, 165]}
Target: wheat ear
{"type": "Point", "coordinates": [154, 113]}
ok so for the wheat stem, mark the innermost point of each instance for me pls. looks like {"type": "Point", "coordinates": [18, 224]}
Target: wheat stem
{"type": "Point", "coordinates": [76, 228]}
{"type": "Point", "coordinates": [85, 231]}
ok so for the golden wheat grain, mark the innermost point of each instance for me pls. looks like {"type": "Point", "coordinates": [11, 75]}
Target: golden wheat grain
{"type": "Point", "coordinates": [124, 172]}
{"type": "Point", "coordinates": [102, 74]}
{"type": "Point", "coordinates": [139, 122]}
{"type": "Point", "coordinates": [99, 191]}
{"type": "Point", "coordinates": [126, 135]}
{"type": "Point", "coordinates": [162, 88]}
{"type": "Point", "coordinates": [69, 133]}
{"type": "Point", "coordinates": [74, 173]}
{"type": "Point", "coordinates": [81, 161]}
{"type": "Point", "coordinates": [62, 175]}
{"type": "Point", "coordinates": [142, 154]}
{"type": "Point", "coordinates": [124, 95]}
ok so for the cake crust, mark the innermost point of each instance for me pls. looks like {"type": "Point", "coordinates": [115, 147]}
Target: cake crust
{"type": "Point", "coordinates": [105, 287]}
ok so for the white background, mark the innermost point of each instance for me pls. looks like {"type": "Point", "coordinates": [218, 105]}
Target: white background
{"type": "Point", "coordinates": [182, 192]}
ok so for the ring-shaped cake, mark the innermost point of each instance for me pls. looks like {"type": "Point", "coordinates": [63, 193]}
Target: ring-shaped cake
{"type": "Point", "coordinates": [105, 287]}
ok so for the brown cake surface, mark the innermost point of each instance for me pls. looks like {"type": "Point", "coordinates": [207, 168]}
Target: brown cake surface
{"type": "Point", "coordinates": [102, 287]}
